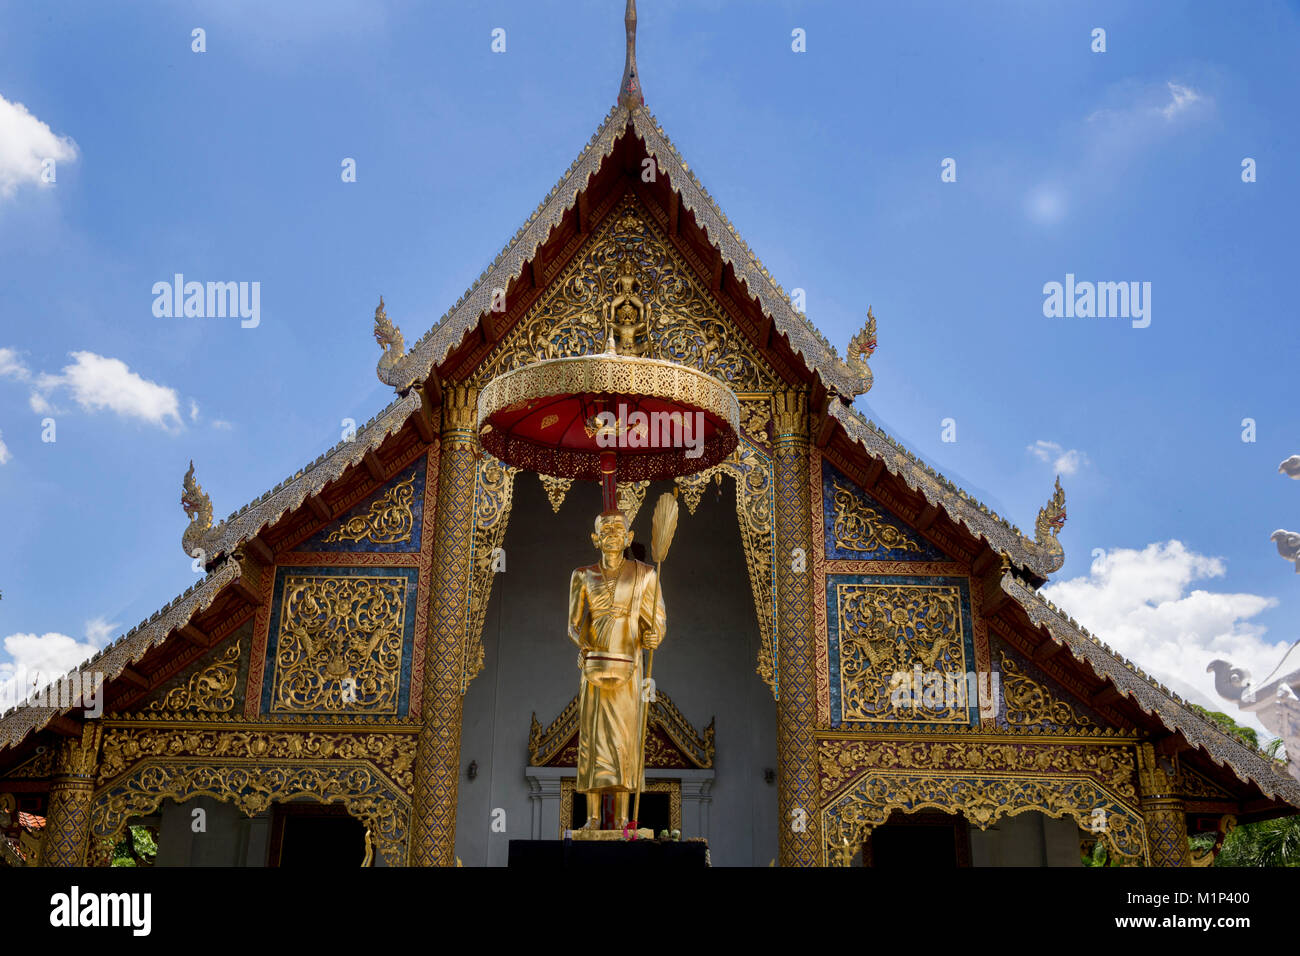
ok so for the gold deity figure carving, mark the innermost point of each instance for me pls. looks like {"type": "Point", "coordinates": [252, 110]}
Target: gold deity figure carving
{"type": "Point", "coordinates": [627, 314]}
{"type": "Point", "coordinates": [615, 610]}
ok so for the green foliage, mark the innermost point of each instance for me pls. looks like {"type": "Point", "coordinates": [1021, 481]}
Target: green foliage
{"type": "Point", "coordinates": [138, 848]}
{"type": "Point", "coordinates": [1246, 735]}
{"type": "Point", "coordinates": [1267, 843]}
{"type": "Point", "coordinates": [1097, 856]}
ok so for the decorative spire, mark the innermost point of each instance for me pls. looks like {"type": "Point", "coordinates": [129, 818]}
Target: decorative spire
{"type": "Point", "coordinates": [629, 91]}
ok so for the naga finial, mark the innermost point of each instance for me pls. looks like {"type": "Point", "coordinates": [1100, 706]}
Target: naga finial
{"type": "Point", "coordinates": [1051, 519]}
{"type": "Point", "coordinates": [198, 508]}
{"type": "Point", "coordinates": [860, 348]}
{"type": "Point", "coordinates": [390, 337]}
{"type": "Point", "coordinates": [629, 90]}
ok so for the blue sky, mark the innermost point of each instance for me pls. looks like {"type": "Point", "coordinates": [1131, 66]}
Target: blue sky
{"type": "Point", "coordinates": [225, 165]}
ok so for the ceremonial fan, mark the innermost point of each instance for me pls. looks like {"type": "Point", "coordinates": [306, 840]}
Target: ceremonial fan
{"type": "Point", "coordinates": [661, 538]}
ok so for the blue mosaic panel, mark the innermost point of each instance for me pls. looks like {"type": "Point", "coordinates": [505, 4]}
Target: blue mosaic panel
{"type": "Point", "coordinates": [341, 642]}
{"type": "Point", "coordinates": [388, 522]}
{"type": "Point", "coordinates": [900, 651]}
{"type": "Point", "coordinates": [859, 528]}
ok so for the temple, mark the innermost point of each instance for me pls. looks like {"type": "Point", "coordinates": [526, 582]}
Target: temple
{"type": "Point", "coordinates": [859, 666]}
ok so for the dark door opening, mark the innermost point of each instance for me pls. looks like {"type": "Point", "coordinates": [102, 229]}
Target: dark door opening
{"type": "Point", "coordinates": [918, 840]}
{"type": "Point", "coordinates": [656, 812]}
{"type": "Point", "coordinates": [316, 835]}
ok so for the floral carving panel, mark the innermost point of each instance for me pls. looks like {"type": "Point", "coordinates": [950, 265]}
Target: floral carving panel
{"type": "Point", "coordinates": [900, 651]}
{"type": "Point", "coordinates": [341, 642]}
{"type": "Point", "coordinates": [858, 528]}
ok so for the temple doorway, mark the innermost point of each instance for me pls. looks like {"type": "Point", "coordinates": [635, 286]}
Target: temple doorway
{"type": "Point", "coordinates": [320, 836]}
{"type": "Point", "coordinates": [919, 841]}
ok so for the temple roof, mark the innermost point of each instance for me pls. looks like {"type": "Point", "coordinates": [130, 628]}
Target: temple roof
{"type": "Point", "coordinates": [416, 371]}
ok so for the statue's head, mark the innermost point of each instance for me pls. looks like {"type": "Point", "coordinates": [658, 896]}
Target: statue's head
{"type": "Point", "coordinates": [612, 535]}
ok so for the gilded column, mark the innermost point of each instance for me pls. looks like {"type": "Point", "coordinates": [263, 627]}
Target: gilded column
{"type": "Point", "coordinates": [437, 761]}
{"type": "Point", "coordinates": [1162, 809]}
{"type": "Point", "coordinates": [67, 822]}
{"type": "Point", "coordinates": [797, 798]}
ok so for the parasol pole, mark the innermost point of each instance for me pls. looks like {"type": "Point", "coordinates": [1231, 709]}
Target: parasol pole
{"type": "Point", "coordinates": [661, 537]}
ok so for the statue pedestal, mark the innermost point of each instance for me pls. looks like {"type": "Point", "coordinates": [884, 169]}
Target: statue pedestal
{"type": "Point", "coordinates": [644, 854]}
{"type": "Point", "coordinates": [588, 836]}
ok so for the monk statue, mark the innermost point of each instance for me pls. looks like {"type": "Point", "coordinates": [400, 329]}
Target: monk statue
{"type": "Point", "coordinates": [615, 610]}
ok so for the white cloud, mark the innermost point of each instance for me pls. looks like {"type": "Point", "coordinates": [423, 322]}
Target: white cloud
{"type": "Point", "coordinates": [1063, 462]}
{"type": "Point", "coordinates": [1142, 104]}
{"type": "Point", "coordinates": [1181, 99]}
{"type": "Point", "coordinates": [25, 144]}
{"type": "Point", "coordinates": [1135, 120]}
{"type": "Point", "coordinates": [194, 410]}
{"type": "Point", "coordinates": [4, 451]}
{"type": "Point", "coordinates": [99, 630]}
{"type": "Point", "coordinates": [41, 658]}
{"type": "Point", "coordinates": [97, 382]}
{"type": "Point", "coordinates": [1140, 604]}
{"type": "Point", "coordinates": [38, 659]}
{"type": "Point", "coordinates": [221, 424]}
{"type": "Point", "coordinates": [11, 366]}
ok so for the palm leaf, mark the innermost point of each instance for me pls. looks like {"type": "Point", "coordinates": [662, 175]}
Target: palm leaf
{"type": "Point", "coordinates": [663, 527]}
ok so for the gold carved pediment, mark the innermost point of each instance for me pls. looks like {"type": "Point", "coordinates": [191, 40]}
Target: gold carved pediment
{"type": "Point", "coordinates": [676, 317]}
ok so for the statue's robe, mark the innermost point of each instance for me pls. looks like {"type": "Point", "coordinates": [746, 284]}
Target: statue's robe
{"type": "Point", "coordinates": [610, 622]}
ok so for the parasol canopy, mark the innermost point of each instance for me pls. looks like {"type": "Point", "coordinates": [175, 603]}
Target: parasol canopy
{"type": "Point", "coordinates": [608, 417]}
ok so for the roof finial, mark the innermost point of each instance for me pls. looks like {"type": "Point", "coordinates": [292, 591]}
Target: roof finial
{"type": "Point", "coordinates": [629, 91]}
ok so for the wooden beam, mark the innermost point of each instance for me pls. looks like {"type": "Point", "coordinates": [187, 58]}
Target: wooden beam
{"type": "Point", "coordinates": [874, 471]}
{"type": "Point", "coordinates": [246, 593]}
{"type": "Point", "coordinates": [133, 676]}
{"type": "Point", "coordinates": [926, 517]}
{"type": "Point", "coordinates": [423, 417]}
{"type": "Point", "coordinates": [195, 636]}
{"type": "Point", "coordinates": [319, 508]}
{"type": "Point", "coordinates": [715, 278]}
{"type": "Point", "coordinates": [825, 429]}
{"type": "Point", "coordinates": [64, 726]}
{"type": "Point", "coordinates": [375, 466]}
{"type": "Point", "coordinates": [260, 550]}
{"type": "Point", "coordinates": [994, 596]}
{"type": "Point", "coordinates": [1103, 696]}
{"type": "Point", "coordinates": [536, 272]}
{"type": "Point", "coordinates": [433, 391]}
{"type": "Point", "coordinates": [1046, 651]}
{"type": "Point", "coordinates": [986, 559]}
{"type": "Point", "coordinates": [674, 209]}
{"type": "Point", "coordinates": [1175, 743]}
{"type": "Point", "coordinates": [584, 216]}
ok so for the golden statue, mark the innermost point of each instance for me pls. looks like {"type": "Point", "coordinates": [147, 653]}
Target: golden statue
{"type": "Point", "coordinates": [615, 610]}
{"type": "Point", "coordinates": [626, 313]}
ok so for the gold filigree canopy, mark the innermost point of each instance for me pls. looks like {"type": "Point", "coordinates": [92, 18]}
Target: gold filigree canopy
{"type": "Point", "coordinates": [564, 417]}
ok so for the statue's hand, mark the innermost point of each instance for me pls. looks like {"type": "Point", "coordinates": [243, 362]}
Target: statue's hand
{"type": "Point", "coordinates": [652, 641]}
